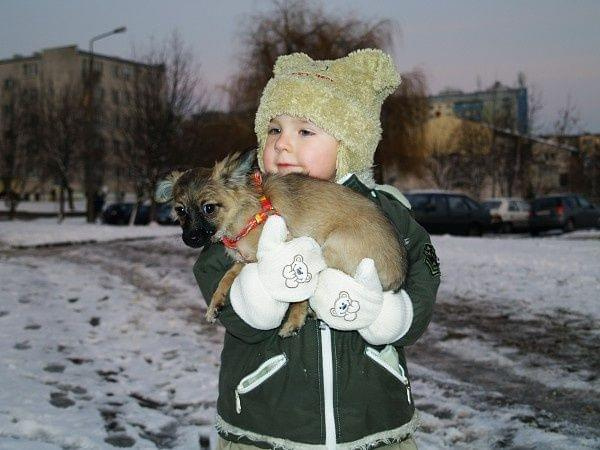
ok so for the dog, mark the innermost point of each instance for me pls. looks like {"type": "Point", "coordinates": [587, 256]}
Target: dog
{"type": "Point", "coordinates": [214, 205]}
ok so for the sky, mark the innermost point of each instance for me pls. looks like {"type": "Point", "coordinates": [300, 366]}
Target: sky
{"type": "Point", "coordinates": [462, 43]}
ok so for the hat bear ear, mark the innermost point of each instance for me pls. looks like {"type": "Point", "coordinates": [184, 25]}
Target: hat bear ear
{"type": "Point", "coordinates": [374, 67]}
{"type": "Point", "coordinates": [292, 63]}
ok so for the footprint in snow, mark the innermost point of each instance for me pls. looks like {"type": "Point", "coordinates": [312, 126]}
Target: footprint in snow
{"type": "Point", "coordinates": [60, 400]}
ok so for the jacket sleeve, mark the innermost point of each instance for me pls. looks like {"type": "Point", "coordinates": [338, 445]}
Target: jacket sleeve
{"type": "Point", "coordinates": [209, 268]}
{"type": "Point", "coordinates": [423, 276]}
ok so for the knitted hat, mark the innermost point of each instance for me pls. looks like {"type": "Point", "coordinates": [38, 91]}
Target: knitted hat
{"type": "Point", "coordinates": [341, 96]}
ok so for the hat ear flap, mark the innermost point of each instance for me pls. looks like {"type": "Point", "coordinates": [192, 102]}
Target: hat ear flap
{"type": "Point", "coordinates": [376, 69]}
{"type": "Point", "coordinates": [292, 63]}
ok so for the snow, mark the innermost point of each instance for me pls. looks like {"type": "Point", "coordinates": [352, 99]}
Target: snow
{"type": "Point", "coordinates": [44, 206]}
{"type": "Point", "coordinates": [524, 275]}
{"type": "Point", "coordinates": [105, 345]}
{"type": "Point", "coordinates": [41, 232]}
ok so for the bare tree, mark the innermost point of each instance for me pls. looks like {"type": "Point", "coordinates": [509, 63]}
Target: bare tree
{"type": "Point", "coordinates": [473, 142]}
{"type": "Point", "coordinates": [568, 120]}
{"type": "Point", "coordinates": [17, 148]}
{"type": "Point", "coordinates": [165, 91]}
{"type": "Point", "coordinates": [300, 26]}
{"type": "Point", "coordinates": [404, 116]}
{"type": "Point", "coordinates": [296, 26]}
{"type": "Point", "coordinates": [60, 134]}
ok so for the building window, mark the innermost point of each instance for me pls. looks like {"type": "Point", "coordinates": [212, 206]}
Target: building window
{"type": "Point", "coordinates": [116, 146]}
{"type": "Point", "coordinates": [116, 71]}
{"type": "Point", "coordinates": [117, 121]}
{"type": "Point", "coordinates": [115, 96]}
{"type": "Point", "coordinates": [126, 72]}
{"type": "Point", "coordinates": [563, 179]}
{"type": "Point", "coordinates": [127, 97]}
{"type": "Point", "coordinates": [98, 94]}
{"type": "Point", "coordinates": [9, 83]}
{"type": "Point", "coordinates": [30, 69]}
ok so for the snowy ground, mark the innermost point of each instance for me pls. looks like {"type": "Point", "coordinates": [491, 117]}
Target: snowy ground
{"type": "Point", "coordinates": [41, 232]}
{"type": "Point", "coordinates": [103, 345]}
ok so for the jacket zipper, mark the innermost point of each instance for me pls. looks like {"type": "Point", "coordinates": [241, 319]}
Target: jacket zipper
{"type": "Point", "coordinates": [327, 358]}
{"type": "Point", "coordinates": [375, 356]}
{"type": "Point", "coordinates": [251, 381]}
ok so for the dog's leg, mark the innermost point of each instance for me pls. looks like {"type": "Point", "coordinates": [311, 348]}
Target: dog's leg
{"type": "Point", "coordinates": [218, 299]}
{"type": "Point", "coordinates": [296, 319]}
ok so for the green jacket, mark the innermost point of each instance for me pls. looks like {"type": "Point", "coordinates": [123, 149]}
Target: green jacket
{"type": "Point", "coordinates": [322, 388]}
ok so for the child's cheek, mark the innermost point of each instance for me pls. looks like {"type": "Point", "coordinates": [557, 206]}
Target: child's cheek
{"type": "Point", "coordinates": [269, 161]}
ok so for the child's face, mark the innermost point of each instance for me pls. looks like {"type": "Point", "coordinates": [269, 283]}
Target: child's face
{"type": "Point", "coordinates": [296, 145]}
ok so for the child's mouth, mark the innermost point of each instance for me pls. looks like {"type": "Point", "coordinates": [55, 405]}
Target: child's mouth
{"type": "Point", "coordinates": [288, 168]}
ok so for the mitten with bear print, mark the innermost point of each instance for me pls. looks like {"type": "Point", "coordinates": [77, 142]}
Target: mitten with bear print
{"type": "Point", "coordinates": [285, 272]}
{"type": "Point", "coordinates": [359, 303]}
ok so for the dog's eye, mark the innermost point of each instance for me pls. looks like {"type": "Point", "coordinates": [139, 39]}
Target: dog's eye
{"type": "Point", "coordinates": [209, 208]}
{"type": "Point", "coordinates": [180, 210]}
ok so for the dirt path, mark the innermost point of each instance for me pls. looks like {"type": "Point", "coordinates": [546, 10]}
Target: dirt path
{"type": "Point", "coordinates": [566, 342]}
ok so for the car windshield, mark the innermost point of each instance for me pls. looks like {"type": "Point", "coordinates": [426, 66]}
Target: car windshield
{"type": "Point", "coordinates": [418, 201]}
{"type": "Point", "coordinates": [545, 203]}
{"type": "Point", "coordinates": [492, 204]}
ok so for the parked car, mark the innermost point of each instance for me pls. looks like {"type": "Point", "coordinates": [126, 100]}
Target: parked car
{"type": "Point", "coordinates": [508, 214]}
{"type": "Point", "coordinates": [119, 214]}
{"type": "Point", "coordinates": [449, 212]}
{"type": "Point", "coordinates": [163, 214]}
{"type": "Point", "coordinates": [566, 211]}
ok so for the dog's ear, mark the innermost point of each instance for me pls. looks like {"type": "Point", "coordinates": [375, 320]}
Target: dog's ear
{"type": "Point", "coordinates": [164, 189]}
{"type": "Point", "coordinates": [235, 168]}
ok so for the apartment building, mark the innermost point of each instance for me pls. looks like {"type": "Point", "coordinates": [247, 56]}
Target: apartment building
{"type": "Point", "coordinates": [52, 69]}
{"type": "Point", "coordinates": [499, 105]}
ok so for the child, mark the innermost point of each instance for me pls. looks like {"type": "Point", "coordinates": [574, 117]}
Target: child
{"type": "Point", "coordinates": [333, 385]}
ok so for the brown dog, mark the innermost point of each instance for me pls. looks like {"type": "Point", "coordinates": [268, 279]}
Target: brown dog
{"type": "Point", "coordinates": [214, 205]}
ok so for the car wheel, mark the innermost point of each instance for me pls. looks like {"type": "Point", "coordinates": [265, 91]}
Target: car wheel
{"type": "Point", "coordinates": [474, 230]}
{"type": "Point", "coordinates": [507, 227]}
{"type": "Point", "coordinates": [569, 226]}
{"type": "Point", "coordinates": [534, 232]}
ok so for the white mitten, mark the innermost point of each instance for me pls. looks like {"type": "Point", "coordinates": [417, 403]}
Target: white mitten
{"type": "Point", "coordinates": [393, 321]}
{"type": "Point", "coordinates": [348, 303]}
{"type": "Point", "coordinates": [253, 303]}
{"type": "Point", "coordinates": [288, 270]}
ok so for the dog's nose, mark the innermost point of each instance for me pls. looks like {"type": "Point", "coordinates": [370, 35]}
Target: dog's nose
{"type": "Point", "coordinates": [194, 239]}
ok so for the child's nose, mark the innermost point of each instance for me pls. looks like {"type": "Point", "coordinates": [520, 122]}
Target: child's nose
{"type": "Point", "coordinates": [283, 143]}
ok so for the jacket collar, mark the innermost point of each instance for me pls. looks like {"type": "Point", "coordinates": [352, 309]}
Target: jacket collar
{"type": "Point", "coordinates": [352, 181]}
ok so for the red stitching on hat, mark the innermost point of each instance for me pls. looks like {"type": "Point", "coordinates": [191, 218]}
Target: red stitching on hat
{"type": "Point", "coordinates": [307, 74]}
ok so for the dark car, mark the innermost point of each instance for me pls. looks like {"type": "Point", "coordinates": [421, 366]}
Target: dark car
{"type": "Point", "coordinates": [164, 214]}
{"type": "Point", "coordinates": [448, 212]}
{"type": "Point", "coordinates": [564, 211]}
{"type": "Point", "coordinates": [119, 214]}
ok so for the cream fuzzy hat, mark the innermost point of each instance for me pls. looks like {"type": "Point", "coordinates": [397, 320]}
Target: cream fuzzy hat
{"type": "Point", "coordinates": [341, 96]}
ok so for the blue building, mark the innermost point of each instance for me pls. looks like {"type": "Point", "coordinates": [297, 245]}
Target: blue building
{"type": "Point", "coordinates": [500, 106]}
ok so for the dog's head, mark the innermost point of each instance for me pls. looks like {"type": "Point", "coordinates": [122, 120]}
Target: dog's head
{"type": "Point", "coordinates": [206, 201]}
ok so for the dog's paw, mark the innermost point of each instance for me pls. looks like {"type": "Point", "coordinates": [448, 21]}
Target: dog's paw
{"type": "Point", "coordinates": [212, 314]}
{"type": "Point", "coordinates": [289, 330]}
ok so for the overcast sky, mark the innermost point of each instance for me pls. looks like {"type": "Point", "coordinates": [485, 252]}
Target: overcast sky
{"type": "Point", "coordinates": [556, 43]}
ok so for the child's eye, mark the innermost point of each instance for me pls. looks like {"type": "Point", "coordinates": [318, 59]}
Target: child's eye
{"type": "Point", "coordinates": [306, 133]}
{"type": "Point", "coordinates": [273, 130]}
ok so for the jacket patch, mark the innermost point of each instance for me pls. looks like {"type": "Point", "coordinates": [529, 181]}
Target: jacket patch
{"type": "Point", "coordinates": [431, 259]}
{"type": "Point", "coordinates": [296, 272]}
{"type": "Point", "coordinates": [345, 307]}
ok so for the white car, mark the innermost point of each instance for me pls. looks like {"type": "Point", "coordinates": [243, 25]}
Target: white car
{"type": "Point", "coordinates": [508, 213]}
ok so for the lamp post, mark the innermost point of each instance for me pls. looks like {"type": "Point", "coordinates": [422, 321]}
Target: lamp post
{"type": "Point", "coordinates": [92, 159]}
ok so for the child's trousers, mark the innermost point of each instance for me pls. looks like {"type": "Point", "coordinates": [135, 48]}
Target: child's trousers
{"type": "Point", "coordinates": [222, 444]}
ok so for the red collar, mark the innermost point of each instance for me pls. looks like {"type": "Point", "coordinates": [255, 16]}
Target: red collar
{"type": "Point", "coordinates": [266, 209]}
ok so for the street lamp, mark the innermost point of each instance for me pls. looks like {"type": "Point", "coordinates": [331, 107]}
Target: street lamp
{"type": "Point", "coordinates": [102, 36]}
{"type": "Point", "coordinates": [89, 163]}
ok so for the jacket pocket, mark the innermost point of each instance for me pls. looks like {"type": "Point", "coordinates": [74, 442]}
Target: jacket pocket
{"type": "Point", "coordinates": [253, 380]}
{"type": "Point", "coordinates": [388, 359]}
